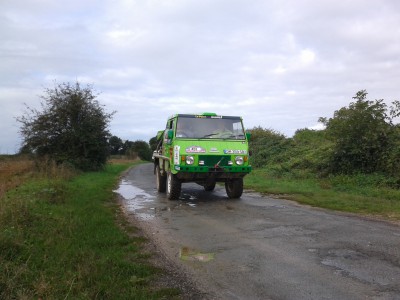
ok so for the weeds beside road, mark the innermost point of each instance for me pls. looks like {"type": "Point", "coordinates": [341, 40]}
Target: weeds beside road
{"type": "Point", "coordinates": [65, 238]}
{"type": "Point", "coordinates": [13, 171]}
{"type": "Point", "coordinates": [362, 194]}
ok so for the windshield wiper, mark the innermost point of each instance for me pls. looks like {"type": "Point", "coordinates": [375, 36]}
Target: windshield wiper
{"type": "Point", "coordinates": [229, 136]}
{"type": "Point", "coordinates": [224, 137]}
{"type": "Point", "coordinates": [211, 134]}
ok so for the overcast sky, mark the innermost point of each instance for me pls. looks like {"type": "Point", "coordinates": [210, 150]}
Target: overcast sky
{"type": "Point", "coordinates": [279, 64]}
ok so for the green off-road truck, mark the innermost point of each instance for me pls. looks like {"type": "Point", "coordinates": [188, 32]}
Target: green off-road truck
{"type": "Point", "coordinates": [205, 149]}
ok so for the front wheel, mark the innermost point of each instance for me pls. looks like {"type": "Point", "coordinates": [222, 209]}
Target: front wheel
{"type": "Point", "coordinates": [161, 180]}
{"type": "Point", "coordinates": [173, 187]}
{"type": "Point", "coordinates": [234, 187]}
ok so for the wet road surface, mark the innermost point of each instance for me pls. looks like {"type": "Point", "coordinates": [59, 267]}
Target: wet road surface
{"type": "Point", "coordinates": [259, 247]}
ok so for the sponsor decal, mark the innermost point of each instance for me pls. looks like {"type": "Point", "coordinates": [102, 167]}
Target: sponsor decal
{"type": "Point", "coordinates": [228, 151]}
{"type": "Point", "coordinates": [214, 150]}
{"type": "Point", "coordinates": [195, 149]}
{"type": "Point", "coordinates": [176, 155]}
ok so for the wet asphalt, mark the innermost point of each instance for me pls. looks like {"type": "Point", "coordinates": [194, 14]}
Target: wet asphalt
{"type": "Point", "coordinates": [258, 247]}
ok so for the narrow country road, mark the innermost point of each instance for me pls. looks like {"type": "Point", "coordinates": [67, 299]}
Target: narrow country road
{"type": "Point", "coordinates": [259, 247]}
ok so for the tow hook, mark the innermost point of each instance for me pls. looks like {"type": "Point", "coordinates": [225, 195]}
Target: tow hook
{"type": "Point", "coordinates": [217, 164]}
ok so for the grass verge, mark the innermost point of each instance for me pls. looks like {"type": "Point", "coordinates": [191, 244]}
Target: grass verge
{"type": "Point", "coordinates": [363, 194]}
{"type": "Point", "coordinates": [66, 239]}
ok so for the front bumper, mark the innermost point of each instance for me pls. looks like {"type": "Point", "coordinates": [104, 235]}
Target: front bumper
{"type": "Point", "coordinates": [193, 173]}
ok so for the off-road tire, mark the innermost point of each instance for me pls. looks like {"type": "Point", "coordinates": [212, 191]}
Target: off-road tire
{"type": "Point", "coordinates": [161, 181]}
{"type": "Point", "coordinates": [209, 186]}
{"type": "Point", "coordinates": [234, 188]}
{"type": "Point", "coordinates": [173, 187]}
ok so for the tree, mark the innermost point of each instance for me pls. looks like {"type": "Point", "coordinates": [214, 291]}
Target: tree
{"type": "Point", "coordinates": [153, 143]}
{"type": "Point", "coordinates": [71, 127]}
{"type": "Point", "coordinates": [126, 147]}
{"type": "Point", "coordinates": [362, 134]}
{"type": "Point", "coordinates": [115, 145]}
{"type": "Point", "coordinates": [142, 149]}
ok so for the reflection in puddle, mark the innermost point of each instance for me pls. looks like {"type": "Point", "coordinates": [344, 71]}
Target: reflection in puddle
{"type": "Point", "coordinates": [187, 197]}
{"type": "Point", "coordinates": [129, 191]}
{"type": "Point", "coordinates": [136, 199]}
{"type": "Point", "coordinates": [188, 254]}
{"type": "Point", "coordinates": [144, 205]}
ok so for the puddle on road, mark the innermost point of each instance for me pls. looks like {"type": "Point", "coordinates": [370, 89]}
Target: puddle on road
{"type": "Point", "coordinates": [187, 254]}
{"type": "Point", "coordinates": [136, 199]}
{"type": "Point", "coordinates": [129, 191]}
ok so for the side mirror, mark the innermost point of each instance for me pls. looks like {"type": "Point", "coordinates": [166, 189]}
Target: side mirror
{"type": "Point", "coordinates": [248, 135]}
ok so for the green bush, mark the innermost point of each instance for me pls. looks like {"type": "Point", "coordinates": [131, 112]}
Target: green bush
{"type": "Point", "coordinates": [364, 137]}
{"type": "Point", "coordinates": [71, 128]}
{"type": "Point", "coordinates": [307, 150]}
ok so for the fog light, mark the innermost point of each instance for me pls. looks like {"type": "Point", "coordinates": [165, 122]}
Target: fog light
{"type": "Point", "coordinates": [201, 162]}
{"type": "Point", "coordinates": [230, 163]}
{"type": "Point", "coordinates": [189, 160]}
{"type": "Point", "coordinates": [239, 160]}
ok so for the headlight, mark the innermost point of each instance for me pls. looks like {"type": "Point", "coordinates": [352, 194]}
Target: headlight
{"type": "Point", "coordinates": [239, 160]}
{"type": "Point", "coordinates": [189, 160]}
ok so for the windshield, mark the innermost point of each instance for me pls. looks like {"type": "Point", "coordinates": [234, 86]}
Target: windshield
{"type": "Point", "coordinates": [209, 127]}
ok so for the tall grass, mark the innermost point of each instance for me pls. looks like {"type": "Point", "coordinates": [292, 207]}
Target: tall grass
{"type": "Point", "coordinates": [13, 171]}
{"type": "Point", "coordinates": [365, 194]}
{"type": "Point", "coordinates": [63, 237]}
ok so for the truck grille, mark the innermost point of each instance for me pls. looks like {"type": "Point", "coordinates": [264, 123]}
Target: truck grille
{"type": "Point", "coordinates": [212, 160]}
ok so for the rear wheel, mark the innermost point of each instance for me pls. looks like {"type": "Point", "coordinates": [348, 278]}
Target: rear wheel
{"type": "Point", "coordinates": [161, 180]}
{"type": "Point", "coordinates": [209, 186]}
{"type": "Point", "coordinates": [234, 187]}
{"type": "Point", "coordinates": [173, 187]}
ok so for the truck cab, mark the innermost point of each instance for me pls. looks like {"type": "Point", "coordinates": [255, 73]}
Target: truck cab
{"type": "Point", "coordinates": [203, 148]}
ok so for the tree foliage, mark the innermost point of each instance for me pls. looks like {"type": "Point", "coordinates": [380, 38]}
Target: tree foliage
{"type": "Point", "coordinates": [153, 143]}
{"type": "Point", "coordinates": [70, 127]}
{"type": "Point", "coordinates": [142, 149]}
{"type": "Point", "coordinates": [363, 135]}
{"type": "Point", "coordinates": [115, 145]}
{"type": "Point", "coordinates": [361, 138]}
{"type": "Point", "coordinates": [129, 148]}
{"type": "Point", "coordinates": [267, 145]}
{"type": "Point", "coordinates": [306, 151]}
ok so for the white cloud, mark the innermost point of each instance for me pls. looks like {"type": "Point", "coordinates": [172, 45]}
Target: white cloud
{"type": "Point", "coordinates": [318, 126]}
{"type": "Point", "coordinates": [307, 57]}
{"type": "Point", "coordinates": [280, 70]}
